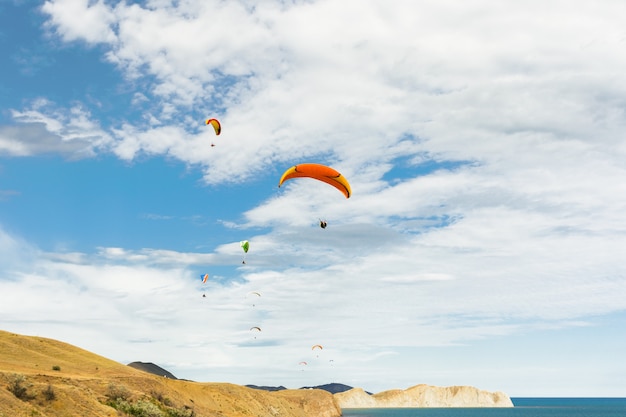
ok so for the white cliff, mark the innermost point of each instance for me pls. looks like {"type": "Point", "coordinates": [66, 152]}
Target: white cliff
{"type": "Point", "coordinates": [423, 396]}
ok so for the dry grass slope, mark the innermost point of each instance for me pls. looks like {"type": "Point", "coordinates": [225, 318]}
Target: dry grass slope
{"type": "Point", "coordinates": [58, 379]}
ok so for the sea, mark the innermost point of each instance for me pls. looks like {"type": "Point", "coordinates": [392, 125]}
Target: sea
{"type": "Point", "coordinates": [523, 407]}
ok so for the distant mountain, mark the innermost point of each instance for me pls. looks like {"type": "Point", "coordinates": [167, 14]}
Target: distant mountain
{"type": "Point", "coordinates": [266, 388]}
{"type": "Point", "coordinates": [151, 368]}
{"type": "Point", "coordinates": [333, 388]}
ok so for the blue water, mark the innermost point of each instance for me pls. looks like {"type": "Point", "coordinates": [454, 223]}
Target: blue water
{"type": "Point", "coordinates": [524, 407]}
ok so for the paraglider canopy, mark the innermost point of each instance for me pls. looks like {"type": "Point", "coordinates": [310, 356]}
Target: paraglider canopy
{"type": "Point", "coordinates": [258, 329]}
{"type": "Point", "coordinates": [245, 245]}
{"type": "Point", "coordinates": [216, 125]}
{"type": "Point", "coordinates": [319, 172]}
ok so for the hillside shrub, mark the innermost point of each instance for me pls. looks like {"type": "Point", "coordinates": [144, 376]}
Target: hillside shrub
{"type": "Point", "coordinates": [140, 409]}
{"type": "Point", "coordinates": [157, 395]}
{"type": "Point", "coordinates": [185, 412]}
{"type": "Point", "coordinates": [119, 397]}
{"type": "Point", "coordinates": [17, 388]}
{"type": "Point", "coordinates": [56, 368]}
{"type": "Point", "coordinates": [117, 393]}
{"type": "Point", "coordinates": [49, 393]}
{"type": "Point", "coordinates": [148, 408]}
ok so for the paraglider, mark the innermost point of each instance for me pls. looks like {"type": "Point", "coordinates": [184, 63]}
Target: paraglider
{"type": "Point", "coordinates": [256, 294]}
{"type": "Point", "coordinates": [245, 245]}
{"type": "Point", "coordinates": [205, 278]}
{"type": "Point", "coordinates": [258, 329]}
{"type": "Point", "coordinates": [317, 347]}
{"type": "Point", "coordinates": [318, 172]}
{"type": "Point", "coordinates": [217, 127]}
{"type": "Point", "coordinates": [323, 224]}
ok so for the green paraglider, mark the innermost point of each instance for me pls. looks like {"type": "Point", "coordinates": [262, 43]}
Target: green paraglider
{"type": "Point", "coordinates": [245, 245]}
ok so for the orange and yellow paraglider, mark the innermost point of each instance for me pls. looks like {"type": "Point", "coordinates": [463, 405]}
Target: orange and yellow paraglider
{"type": "Point", "coordinates": [319, 172]}
{"type": "Point", "coordinates": [216, 126]}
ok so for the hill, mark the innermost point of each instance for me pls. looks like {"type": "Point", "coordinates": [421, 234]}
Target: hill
{"type": "Point", "coordinates": [152, 369]}
{"type": "Point", "coordinates": [266, 388]}
{"type": "Point", "coordinates": [49, 378]}
{"type": "Point", "coordinates": [333, 388]}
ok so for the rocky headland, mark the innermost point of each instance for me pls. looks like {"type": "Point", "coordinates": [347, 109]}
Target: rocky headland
{"type": "Point", "coordinates": [423, 396]}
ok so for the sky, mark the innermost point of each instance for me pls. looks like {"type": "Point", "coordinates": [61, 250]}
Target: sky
{"type": "Point", "coordinates": [484, 242]}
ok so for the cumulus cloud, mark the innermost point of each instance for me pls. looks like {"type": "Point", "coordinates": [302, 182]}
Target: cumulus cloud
{"type": "Point", "coordinates": [467, 86]}
{"type": "Point", "coordinates": [47, 129]}
{"type": "Point", "coordinates": [81, 20]}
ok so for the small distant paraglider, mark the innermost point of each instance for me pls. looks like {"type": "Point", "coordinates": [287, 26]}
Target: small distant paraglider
{"type": "Point", "coordinates": [255, 328]}
{"type": "Point", "coordinates": [319, 347]}
{"type": "Point", "coordinates": [217, 127]}
{"type": "Point", "coordinates": [255, 295]}
{"type": "Point", "coordinates": [245, 245]}
{"type": "Point", "coordinates": [205, 278]}
{"type": "Point", "coordinates": [323, 224]}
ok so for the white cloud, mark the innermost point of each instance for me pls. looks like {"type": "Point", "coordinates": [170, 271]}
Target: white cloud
{"type": "Point", "coordinates": [81, 20]}
{"type": "Point", "coordinates": [47, 129]}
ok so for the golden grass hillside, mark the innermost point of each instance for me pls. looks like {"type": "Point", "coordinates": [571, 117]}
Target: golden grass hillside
{"type": "Point", "coordinates": [44, 377]}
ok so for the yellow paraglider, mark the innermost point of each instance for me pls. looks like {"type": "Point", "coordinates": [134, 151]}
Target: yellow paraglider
{"type": "Point", "coordinates": [319, 172]}
{"type": "Point", "coordinates": [216, 125]}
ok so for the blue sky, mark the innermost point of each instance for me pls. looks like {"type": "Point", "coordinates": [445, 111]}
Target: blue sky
{"type": "Point", "coordinates": [483, 243]}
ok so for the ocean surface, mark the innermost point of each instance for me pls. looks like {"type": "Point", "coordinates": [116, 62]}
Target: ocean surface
{"type": "Point", "coordinates": [524, 407]}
